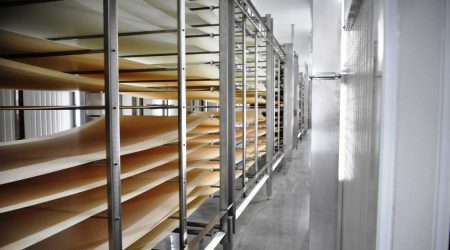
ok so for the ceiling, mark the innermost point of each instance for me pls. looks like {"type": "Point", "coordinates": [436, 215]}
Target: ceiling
{"type": "Point", "coordinates": [285, 13]}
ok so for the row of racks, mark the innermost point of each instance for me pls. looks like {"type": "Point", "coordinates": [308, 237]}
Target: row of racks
{"type": "Point", "coordinates": [246, 57]}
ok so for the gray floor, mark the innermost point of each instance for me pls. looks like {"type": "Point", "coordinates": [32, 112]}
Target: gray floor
{"type": "Point", "coordinates": [281, 222]}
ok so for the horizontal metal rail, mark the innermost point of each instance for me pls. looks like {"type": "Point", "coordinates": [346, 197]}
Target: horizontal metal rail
{"type": "Point", "coordinates": [31, 108]}
{"type": "Point", "coordinates": [272, 41]}
{"type": "Point", "coordinates": [215, 241]}
{"type": "Point", "coordinates": [251, 195]}
{"type": "Point", "coordinates": [123, 34]}
{"type": "Point", "coordinates": [169, 80]}
{"type": "Point", "coordinates": [214, 221]}
{"type": "Point", "coordinates": [10, 3]}
{"type": "Point", "coordinates": [96, 51]}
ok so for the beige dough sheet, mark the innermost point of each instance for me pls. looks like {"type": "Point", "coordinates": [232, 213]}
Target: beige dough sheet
{"type": "Point", "coordinates": [152, 238]}
{"type": "Point", "coordinates": [14, 43]}
{"type": "Point", "coordinates": [139, 216]}
{"type": "Point", "coordinates": [91, 202]}
{"type": "Point", "coordinates": [214, 138]}
{"type": "Point", "coordinates": [74, 180]}
{"type": "Point", "coordinates": [32, 157]}
{"type": "Point", "coordinates": [16, 75]}
{"type": "Point", "coordinates": [24, 227]}
{"type": "Point", "coordinates": [174, 83]}
{"type": "Point", "coordinates": [84, 17]}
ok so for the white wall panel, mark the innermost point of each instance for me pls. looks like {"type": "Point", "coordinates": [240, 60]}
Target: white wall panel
{"type": "Point", "coordinates": [412, 128]}
{"type": "Point", "coordinates": [44, 122]}
{"type": "Point", "coordinates": [7, 118]}
{"type": "Point", "coordinates": [359, 132]}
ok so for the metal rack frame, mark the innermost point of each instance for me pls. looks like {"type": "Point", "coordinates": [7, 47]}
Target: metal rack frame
{"type": "Point", "coordinates": [232, 204]}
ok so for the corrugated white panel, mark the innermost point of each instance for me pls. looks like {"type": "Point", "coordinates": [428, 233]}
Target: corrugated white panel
{"type": "Point", "coordinates": [126, 100]}
{"type": "Point", "coordinates": [44, 122]}
{"type": "Point", "coordinates": [158, 112]}
{"type": "Point", "coordinates": [359, 148]}
{"type": "Point", "coordinates": [7, 118]}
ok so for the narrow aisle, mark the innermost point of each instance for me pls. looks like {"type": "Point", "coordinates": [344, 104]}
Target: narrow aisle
{"type": "Point", "coordinates": [283, 221]}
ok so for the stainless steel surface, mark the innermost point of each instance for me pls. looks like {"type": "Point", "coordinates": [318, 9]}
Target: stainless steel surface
{"type": "Point", "coordinates": [181, 72]}
{"type": "Point", "coordinates": [244, 100]}
{"type": "Point", "coordinates": [256, 105]}
{"type": "Point", "coordinates": [227, 114]}
{"type": "Point", "coordinates": [288, 98]}
{"type": "Point", "coordinates": [112, 117]}
{"type": "Point", "coordinates": [251, 195]}
{"type": "Point", "coordinates": [279, 122]}
{"type": "Point", "coordinates": [282, 221]}
{"type": "Point", "coordinates": [359, 133]}
{"type": "Point", "coordinates": [255, 19]}
{"type": "Point", "coordinates": [270, 103]}
{"type": "Point", "coordinates": [215, 241]}
{"type": "Point", "coordinates": [296, 102]}
{"type": "Point", "coordinates": [324, 164]}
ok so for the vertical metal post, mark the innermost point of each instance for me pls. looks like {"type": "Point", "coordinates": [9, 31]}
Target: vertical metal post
{"type": "Point", "coordinates": [19, 115]}
{"type": "Point", "coordinates": [279, 102]}
{"type": "Point", "coordinates": [256, 100]}
{"type": "Point", "coordinates": [288, 101]}
{"type": "Point", "coordinates": [112, 118]}
{"type": "Point", "coordinates": [181, 58]}
{"type": "Point", "coordinates": [270, 104]}
{"type": "Point", "coordinates": [181, 49]}
{"type": "Point", "coordinates": [244, 101]}
{"type": "Point", "coordinates": [227, 116]}
{"type": "Point", "coordinates": [296, 102]}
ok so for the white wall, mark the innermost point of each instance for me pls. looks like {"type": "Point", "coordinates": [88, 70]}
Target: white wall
{"type": "Point", "coordinates": [45, 122]}
{"type": "Point", "coordinates": [413, 198]}
{"type": "Point", "coordinates": [359, 148]}
{"type": "Point", "coordinates": [7, 117]}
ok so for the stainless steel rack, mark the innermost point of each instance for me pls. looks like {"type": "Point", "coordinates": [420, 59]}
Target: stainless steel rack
{"type": "Point", "coordinates": [255, 36]}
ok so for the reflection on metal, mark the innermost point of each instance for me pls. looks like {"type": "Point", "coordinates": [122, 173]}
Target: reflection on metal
{"type": "Point", "coordinates": [288, 108]}
{"type": "Point", "coordinates": [327, 75]}
{"type": "Point", "coordinates": [227, 117]}
{"type": "Point", "coordinates": [324, 164]}
{"type": "Point", "coordinates": [111, 45]}
{"type": "Point", "coordinates": [251, 195]}
{"type": "Point", "coordinates": [256, 103]}
{"type": "Point", "coordinates": [351, 9]}
{"type": "Point", "coordinates": [296, 104]}
{"type": "Point", "coordinates": [215, 241]}
{"type": "Point", "coordinates": [270, 97]}
{"type": "Point", "coordinates": [277, 162]}
{"type": "Point", "coordinates": [181, 73]}
{"type": "Point", "coordinates": [244, 100]}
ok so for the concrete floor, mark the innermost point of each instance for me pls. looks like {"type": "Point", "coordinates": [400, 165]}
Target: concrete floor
{"type": "Point", "coordinates": [282, 222]}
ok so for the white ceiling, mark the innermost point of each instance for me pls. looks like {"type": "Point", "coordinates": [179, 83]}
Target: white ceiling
{"type": "Point", "coordinates": [285, 13]}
